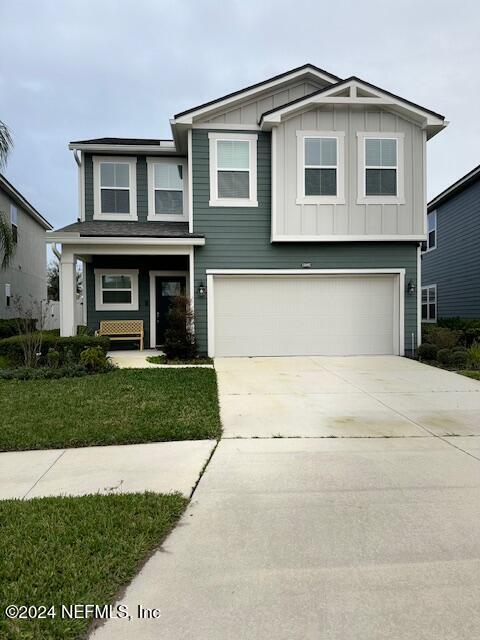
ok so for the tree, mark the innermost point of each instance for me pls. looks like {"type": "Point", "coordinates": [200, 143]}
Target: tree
{"type": "Point", "coordinates": [53, 281]}
{"type": "Point", "coordinates": [7, 244]}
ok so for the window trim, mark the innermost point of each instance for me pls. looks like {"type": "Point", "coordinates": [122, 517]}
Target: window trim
{"type": "Point", "coordinates": [132, 176]}
{"type": "Point", "coordinates": [215, 201]}
{"type": "Point", "coordinates": [340, 167]}
{"type": "Point", "coordinates": [14, 224]}
{"type": "Point", "coordinates": [113, 306]}
{"type": "Point", "coordinates": [362, 198]}
{"type": "Point", "coordinates": [151, 162]}
{"type": "Point", "coordinates": [428, 249]}
{"type": "Point", "coordinates": [429, 320]}
{"type": "Point", "coordinates": [8, 294]}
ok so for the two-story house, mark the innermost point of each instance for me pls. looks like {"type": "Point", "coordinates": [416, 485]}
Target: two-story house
{"type": "Point", "coordinates": [291, 212]}
{"type": "Point", "coordinates": [451, 261]}
{"type": "Point", "coordinates": [26, 275]}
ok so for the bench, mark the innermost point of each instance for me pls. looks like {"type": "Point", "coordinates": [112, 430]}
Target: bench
{"type": "Point", "coordinates": [122, 330]}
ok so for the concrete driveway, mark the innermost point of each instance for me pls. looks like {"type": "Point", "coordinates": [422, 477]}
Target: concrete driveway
{"type": "Point", "coordinates": [344, 397]}
{"type": "Point", "coordinates": [331, 538]}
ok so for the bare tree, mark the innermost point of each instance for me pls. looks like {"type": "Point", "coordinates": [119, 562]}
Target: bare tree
{"type": "Point", "coordinates": [29, 317]}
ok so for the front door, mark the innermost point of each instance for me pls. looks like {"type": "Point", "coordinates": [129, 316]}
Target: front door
{"type": "Point", "coordinates": [166, 288]}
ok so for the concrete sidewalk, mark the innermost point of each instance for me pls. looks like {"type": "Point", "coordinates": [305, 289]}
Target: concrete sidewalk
{"type": "Point", "coordinates": [163, 467]}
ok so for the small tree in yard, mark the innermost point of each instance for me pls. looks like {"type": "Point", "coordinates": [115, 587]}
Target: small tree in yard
{"type": "Point", "coordinates": [28, 315]}
{"type": "Point", "coordinates": [179, 336]}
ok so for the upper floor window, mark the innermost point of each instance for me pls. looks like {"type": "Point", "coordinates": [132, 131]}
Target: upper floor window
{"type": "Point", "coordinates": [431, 231]}
{"type": "Point", "coordinates": [167, 198]}
{"type": "Point", "coordinates": [320, 167]}
{"type": "Point", "coordinates": [429, 303]}
{"type": "Point", "coordinates": [14, 221]}
{"type": "Point", "coordinates": [115, 188]}
{"type": "Point", "coordinates": [233, 170]}
{"type": "Point", "coordinates": [380, 167]}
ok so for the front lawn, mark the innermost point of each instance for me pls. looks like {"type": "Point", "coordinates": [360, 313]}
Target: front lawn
{"type": "Point", "coordinates": [65, 551]}
{"type": "Point", "coordinates": [125, 406]}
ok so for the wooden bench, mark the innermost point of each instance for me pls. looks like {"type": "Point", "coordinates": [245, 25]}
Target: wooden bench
{"type": "Point", "coordinates": [122, 330]}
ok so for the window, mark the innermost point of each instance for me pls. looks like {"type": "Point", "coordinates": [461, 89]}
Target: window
{"type": "Point", "coordinates": [233, 170]}
{"type": "Point", "coordinates": [14, 222]}
{"type": "Point", "coordinates": [116, 289]}
{"type": "Point", "coordinates": [431, 231]}
{"type": "Point", "coordinates": [115, 188]}
{"type": "Point", "coordinates": [380, 160]}
{"type": "Point", "coordinates": [429, 303]}
{"type": "Point", "coordinates": [8, 295]}
{"type": "Point", "coordinates": [167, 197]}
{"type": "Point", "coordinates": [320, 167]}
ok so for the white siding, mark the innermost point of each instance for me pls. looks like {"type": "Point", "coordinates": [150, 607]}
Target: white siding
{"type": "Point", "coordinates": [350, 218]}
{"type": "Point", "coordinates": [250, 112]}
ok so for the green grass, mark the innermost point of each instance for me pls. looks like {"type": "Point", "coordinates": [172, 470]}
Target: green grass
{"type": "Point", "coordinates": [125, 406]}
{"type": "Point", "coordinates": [165, 360]}
{"type": "Point", "coordinates": [75, 551]}
{"type": "Point", "coordinates": [471, 374]}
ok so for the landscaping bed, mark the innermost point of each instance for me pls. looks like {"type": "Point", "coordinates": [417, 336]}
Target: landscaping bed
{"type": "Point", "coordinates": [66, 551]}
{"type": "Point", "coordinates": [124, 406]}
{"type": "Point", "coordinates": [454, 349]}
{"type": "Point", "coordinates": [164, 360]}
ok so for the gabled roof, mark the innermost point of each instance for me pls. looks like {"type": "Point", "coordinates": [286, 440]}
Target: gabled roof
{"type": "Point", "coordinates": [22, 202]}
{"type": "Point", "coordinates": [457, 187]}
{"type": "Point", "coordinates": [265, 84]}
{"type": "Point", "coordinates": [346, 91]}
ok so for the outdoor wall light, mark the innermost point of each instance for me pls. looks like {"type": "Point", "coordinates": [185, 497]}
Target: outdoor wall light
{"type": "Point", "coordinates": [202, 289]}
{"type": "Point", "coordinates": [411, 288]}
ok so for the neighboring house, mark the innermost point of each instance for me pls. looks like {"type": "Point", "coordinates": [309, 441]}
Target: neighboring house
{"type": "Point", "coordinates": [451, 260]}
{"type": "Point", "coordinates": [26, 274]}
{"type": "Point", "coordinates": [291, 212]}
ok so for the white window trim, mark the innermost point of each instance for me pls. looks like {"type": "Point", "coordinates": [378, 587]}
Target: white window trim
{"type": "Point", "coordinates": [340, 167]}
{"type": "Point", "coordinates": [362, 198]}
{"type": "Point", "coordinates": [428, 249]}
{"type": "Point", "coordinates": [215, 201]}
{"type": "Point", "coordinates": [122, 306]}
{"type": "Point", "coordinates": [429, 320]}
{"type": "Point", "coordinates": [151, 162]}
{"type": "Point", "coordinates": [8, 294]}
{"type": "Point", "coordinates": [97, 210]}
{"type": "Point", "coordinates": [12, 209]}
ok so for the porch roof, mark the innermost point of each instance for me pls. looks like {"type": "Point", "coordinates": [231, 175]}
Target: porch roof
{"type": "Point", "coordinates": [133, 229]}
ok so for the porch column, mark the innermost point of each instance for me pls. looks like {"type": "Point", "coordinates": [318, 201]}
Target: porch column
{"type": "Point", "coordinates": [68, 290]}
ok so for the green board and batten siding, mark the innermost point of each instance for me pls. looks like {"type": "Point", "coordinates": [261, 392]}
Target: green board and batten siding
{"type": "Point", "coordinates": [239, 238]}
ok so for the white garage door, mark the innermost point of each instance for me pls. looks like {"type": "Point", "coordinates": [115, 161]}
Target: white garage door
{"type": "Point", "coordinates": [304, 315]}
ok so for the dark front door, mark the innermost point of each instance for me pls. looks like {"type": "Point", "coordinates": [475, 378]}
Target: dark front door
{"type": "Point", "coordinates": [167, 287]}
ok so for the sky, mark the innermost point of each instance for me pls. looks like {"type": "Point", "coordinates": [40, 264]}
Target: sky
{"type": "Point", "coordinates": [71, 70]}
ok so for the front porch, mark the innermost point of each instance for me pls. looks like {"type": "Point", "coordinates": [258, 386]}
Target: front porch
{"type": "Point", "coordinates": [125, 278]}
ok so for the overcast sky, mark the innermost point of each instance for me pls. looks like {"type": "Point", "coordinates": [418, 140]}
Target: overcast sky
{"type": "Point", "coordinates": [71, 70]}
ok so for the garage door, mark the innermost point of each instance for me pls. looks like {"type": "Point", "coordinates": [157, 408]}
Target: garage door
{"type": "Point", "coordinates": [304, 315]}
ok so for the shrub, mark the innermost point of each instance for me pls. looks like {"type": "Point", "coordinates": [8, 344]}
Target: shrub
{"type": "Point", "coordinates": [53, 358]}
{"type": "Point", "coordinates": [474, 356]}
{"type": "Point", "coordinates": [94, 360]}
{"type": "Point", "coordinates": [427, 351]}
{"type": "Point", "coordinates": [459, 359]}
{"type": "Point", "coordinates": [442, 337]}
{"type": "Point", "coordinates": [179, 336]}
{"type": "Point", "coordinates": [83, 330]}
{"type": "Point", "coordinates": [43, 373]}
{"type": "Point", "coordinates": [469, 327]}
{"type": "Point", "coordinates": [444, 356]}
{"type": "Point", "coordinates": [10, 327]}
{"type": "Point", "coordinates": [13, 347]}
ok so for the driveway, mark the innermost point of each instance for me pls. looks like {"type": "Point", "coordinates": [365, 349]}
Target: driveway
{"type": "Point", "coordinates": [329, 538]}
{"type": "Point", "coordinates": [344, 397]}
